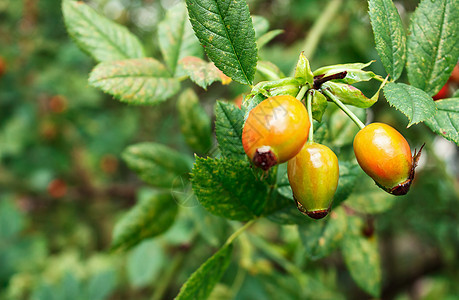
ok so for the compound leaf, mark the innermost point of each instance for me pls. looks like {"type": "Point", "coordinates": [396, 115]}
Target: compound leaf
{"type": "Point", "coordinates": [229, 188]}
{"type": "Point", "coordinates": [135, 81]}
{"type": "Point", "coordinates": [157, 164]}
{"type": "Point", "coordinates": [203, 73]}
{"type": "Point", "coordinates": [177, 39]}
{"type": "Point", "coordinates": [201, 283]}
{"type": "Point", "coordinates": [433, 49]}
{"type": "Point", "coordinates": [390, 37]}
{"type": "Point", "coordinates": [228, 128]}
{"type": "Point", "coordinates": [225, 30]}
{"type": "Point", "coordinates": [100, 37]}
{"type": "Point", "coordinates": [411, 101]}
{"type": "Point", "coordinates": [195, 123]}
{"type": "Point", "coordinates": [362, 257]}
{"type": "Point", "coordinates": [446, 120]}
{"type": "Point", "coordinates": [148, 218]}
{"type": "Point", "coordinates": [321, 238]}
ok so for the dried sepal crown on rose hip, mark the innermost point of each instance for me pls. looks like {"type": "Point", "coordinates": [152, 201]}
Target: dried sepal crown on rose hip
{"type": "Point", "coordinates": [279, 129]}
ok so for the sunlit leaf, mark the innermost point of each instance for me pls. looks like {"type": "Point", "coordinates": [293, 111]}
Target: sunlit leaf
{"type": "Point", "coordinates": [100, 37]}
{"type": "Point", "coordinates": [225, 30]}
{"type": "Point", "coordinates": [390, 37]}
{"type": "Point", "coordinates": [412, 102]}
{"type": "Point", "coordinates": [135, 81]}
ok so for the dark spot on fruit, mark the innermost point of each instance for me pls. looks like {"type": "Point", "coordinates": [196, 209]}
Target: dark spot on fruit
{"type": "Point", "coordinates": [402, 188]}
{"type": "Point", "coordinates": [316, 214]}
{"type": "Point", "coordinates": [264, 158]}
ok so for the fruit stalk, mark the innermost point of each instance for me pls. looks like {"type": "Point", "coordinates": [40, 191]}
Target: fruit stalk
{"type": "Point", "coordinates": [311, 128]}
{"type": "Point", "coordinates": [344, 108]}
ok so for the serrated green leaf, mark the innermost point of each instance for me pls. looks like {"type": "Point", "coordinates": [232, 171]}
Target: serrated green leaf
{"type": "Point", "coordinates": [228, 128]}
{"type": "Point", "coordinates": [319, 105]}
{"type": "Point", "coordinates": [354, 72]}
{"type": "Point", "coordinates": [225, 30]}
{"type": "Point", "coordinates": [148, 218]}
{"type": "Point", "coordinates": [411, 101]}
{"type": "Point", "coordinates": [260, 25]}
{"type": "Point", "coordinates": [228, 188]}
{"type": "Point", "coordinates": [390, 37]}
{"type": "Point", "coordinates": [157, 164]}
{"type": "Point", "coordinates": [269, 70]}
{"type": "Point", "coordinates": [203, 73]}
{"type": "Point", "coordinates": [349, 94]}
{"type": "Point", "coordinates": [201, 283]}
{"type": "Point", "coordinates": [195, 123]}
{"type": "Point", "coordinates": [433, 49]}
{"type": "Point", "coordinates": [267, 37]}
{"type": "Point", "coordinates": [342, 129]}
{"type": "Point", "coordinates": [446, 120]}
{"type": "Point", "coordinates": [320, 238]}
{"type": "Point", "coordinates": [303, 70]}
{"type": "Point", "coordinates": [362, 257]}
{"type": "Point", "coordinates": [100, 37]}
{"type": "Point", "coordinates": [177, 39]}
{"type": "Point", "coordinates": [135, 81]}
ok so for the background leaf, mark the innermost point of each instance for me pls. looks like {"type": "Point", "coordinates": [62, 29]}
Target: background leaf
{"type": "Point", "coordinates": [341, 128]}
{"type": "Point", "coordinates": [100, 37]}
{"type": "Point", "coordinates": [201, 283]}
{"type": "Point", "coordinates": [228, 127]}
{"type": "Point", "coordinates": [412, 102]}
{"type": "Point", "coordinates": [195, 124]}
{"type": "Point", "coordinates": [157, 164]}
{"type": "Point", "coordinates": [135, 81]}
{"type": "Point", "coordinates": [145, 262]}
{"type": "Point", "coordinates": [320, 238]}
{"type": "Point", "coordinates": [150, 217]}
{"type": "Point", "coordinates": [176, 38]}
{"type": "Point", "coordinates": [390, 37]}
{"type": "Point", "coordinates": [349, 173]}
{"type": "Point", "coordinates": [203, 73]}
{"type": "Point", "coordinates": [349, 94]}
{"type": "Point", "coordinates": [362, 257]}
{"type": "Point", "coordinates": [225, 30]}
{"type": "Point", "coordinates": [433, 49]}
{"type": "Point", "coordinates": [446, 120]}
{"type": "Point", "coordinates": [228, 188]}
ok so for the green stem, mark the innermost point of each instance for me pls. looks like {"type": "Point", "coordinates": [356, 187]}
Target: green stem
{"type": "Point", "coordinates": [301, 93]}
{"type": "Point", "coordinates": [344, 108]}
{"type": "Point", "coordinates": [319, 27]}
{"type": "Point", "coordinates": [311, 128]}
{"type": "Point", "coordinates": [238, 232]}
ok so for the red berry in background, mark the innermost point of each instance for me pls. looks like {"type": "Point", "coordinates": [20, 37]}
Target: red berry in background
{"type": "Point", "coordinates": [57, 188]}
{"type": "Point", "coordinates": [275, 131]}
{"type": "Point", "coordinates": [443, 93]}
{"type": "Point", "coordinates": [313, 175]}
{"type": "Point", "coordinates": [385, 155]}
{"type": "Point", "coordinates": [57, 104]}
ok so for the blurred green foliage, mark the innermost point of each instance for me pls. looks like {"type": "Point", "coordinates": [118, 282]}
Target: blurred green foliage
{"type": "Point", "coordinates": [63, 185]}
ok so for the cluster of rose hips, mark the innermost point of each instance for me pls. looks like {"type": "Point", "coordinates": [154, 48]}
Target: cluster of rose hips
{"type": "Point", "coordinates": [277, 131]}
